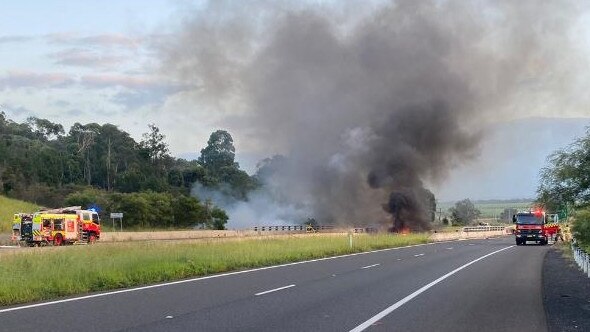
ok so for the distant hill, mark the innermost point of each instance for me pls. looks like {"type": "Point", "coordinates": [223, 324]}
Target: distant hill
{"type": "Point", "coordinates": [8, 207]}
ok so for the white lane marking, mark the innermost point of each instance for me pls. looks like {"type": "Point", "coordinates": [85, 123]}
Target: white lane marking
{"type": "Point", "coordinates": [129, 290]}
{"type": "Point", "coordinates": [471, 244]}
{"type": "Point", "coordinates": [449, 248]}
{"type": "Point", "coordinates": [275, 290]}
{"type": "Point", "coordinates": [418, 255]}
{"type": "Point", "coordinates": [399, 259]}
{"type": "Point", "coordinates": [169, 317]}
{"type": "Point", "coordinates": [407, 299]}
{"type": "Point", "coordinates": [370, 266]}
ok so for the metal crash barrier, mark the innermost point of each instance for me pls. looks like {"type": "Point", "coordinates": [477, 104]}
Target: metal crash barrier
{"type": "Point", "coordinates": [292, 228]}
{"type": "Point", "coordinates": [483, 228]}
{"type": "Point", "coordinates": [582, 258]}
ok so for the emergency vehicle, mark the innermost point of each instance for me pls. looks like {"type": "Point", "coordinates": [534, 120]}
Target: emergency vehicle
{"type": "Point", "coordinates": [17, 221]}
{"type": "Point", "coordinates": [534, 226]}
{"type": "Point", "coordinates": [71, 225]}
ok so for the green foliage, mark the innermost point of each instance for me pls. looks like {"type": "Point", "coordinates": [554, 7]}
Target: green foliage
{"type": "Point", "coordinates": [464, 212]}
{"type": "Point", "coordinates": [566, 180]}
{"type": "Point", "coordinates": [151, 209]}
{"type": "Point", "coordinates": [219, 153]}
{"type": "Point", "coordinates": [218, 219]}
{"type": "Point", "coordinates": [219, 169]}
{"type": "Point", "coordinates": [153, 142]}
{"type": "Point", "coordinates": [581, 228]}
{"type": "Point", "coordinates": [96, 163]}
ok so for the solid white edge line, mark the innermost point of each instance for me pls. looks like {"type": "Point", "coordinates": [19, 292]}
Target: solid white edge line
{"type": "Point", "coordinates": [370, 266]}
{"type": "Point", "coordinates": [129, 290]}
{"type": "Point", "coordinates": [274, 290]}
{"type": "Point", "coordinates": [406, 299]}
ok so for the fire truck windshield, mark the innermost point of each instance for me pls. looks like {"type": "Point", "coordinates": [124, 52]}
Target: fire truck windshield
{"type": "Point", "coordinates": [529, 219]}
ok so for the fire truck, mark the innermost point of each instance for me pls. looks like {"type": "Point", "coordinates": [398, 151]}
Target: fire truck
{"type": "Point", "coordinates": [70, 225]}
{"type": "Point", "coordinates": [534, 226]}
{"type": "Point", "coordinates": [17, 221]}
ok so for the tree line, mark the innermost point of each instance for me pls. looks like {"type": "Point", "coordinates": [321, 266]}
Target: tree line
{"type": "Point", "coordinates": [41, 163]}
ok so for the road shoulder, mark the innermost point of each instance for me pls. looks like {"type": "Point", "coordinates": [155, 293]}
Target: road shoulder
{"type": "Point", "coordinates": [566, 294]}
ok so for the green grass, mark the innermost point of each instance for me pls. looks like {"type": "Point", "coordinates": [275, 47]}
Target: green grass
{"type": "Point", "coordinates": [8, 207]}
{"type": "Point", "coordinates": [29, 275]}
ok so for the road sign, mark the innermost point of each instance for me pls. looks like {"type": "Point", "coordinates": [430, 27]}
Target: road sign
{"type": "Point", "coordinates": [116, 215]}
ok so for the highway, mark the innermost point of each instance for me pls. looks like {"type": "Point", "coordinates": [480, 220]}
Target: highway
{"type": "Point", "coordinates": [484, 285]}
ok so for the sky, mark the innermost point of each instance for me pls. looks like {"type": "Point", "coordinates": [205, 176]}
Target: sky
{"type": "Point", "coordinates": [94, 61]}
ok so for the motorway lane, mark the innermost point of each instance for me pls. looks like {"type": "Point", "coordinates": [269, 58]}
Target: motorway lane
{"type": "Point", "coordinates": [329, 295]}
{"type": "Point", "coordinates": [502, 293]}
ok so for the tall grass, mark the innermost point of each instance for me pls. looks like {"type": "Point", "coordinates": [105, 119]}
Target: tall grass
{"type": "Point", "coordinates": [8, 207]}
{"type": "Point", "coordinates": [31, 275]}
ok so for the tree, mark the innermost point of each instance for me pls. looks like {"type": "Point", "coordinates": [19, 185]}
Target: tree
{"type": "Point", "coordinates": [219, 152]}
{"type": "Point", "coordinates": [566, 180]}
{"type": "Point", "coordinates": [45, 129]}
{"type": "Point", "coordinates": [153, 142]}
{"type": "Point", "coordinates": [218, 218]}
{"type": "Point", "coordinates": [464, 212]}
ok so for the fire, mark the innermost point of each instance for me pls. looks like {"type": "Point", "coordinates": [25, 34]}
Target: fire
{"type": "Point", "coordinates": [404, 231]}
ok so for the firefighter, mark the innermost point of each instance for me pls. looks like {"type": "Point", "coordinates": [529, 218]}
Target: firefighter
{"type": "Point", "coordinates": [559, 235]}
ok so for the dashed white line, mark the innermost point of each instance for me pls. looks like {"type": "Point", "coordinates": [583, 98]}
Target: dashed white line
{"type": "Point", "coordinates": [370, 266]}
{"type": "Point", "coordinates": [418, 255]}
{"type": "Point", "coordinates": [274, 290]}
{"type": "Point", "coordinates": [449, 248]}
{"type": "Point", "coordinates": [408, 298]}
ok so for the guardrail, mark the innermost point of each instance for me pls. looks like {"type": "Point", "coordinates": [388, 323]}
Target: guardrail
{"type": "Point", "coordinates": [292, 228]}
{"type": "Point", "coordinates": [483, 228]}
{"type": "Point", "coordinates": [582, 259]}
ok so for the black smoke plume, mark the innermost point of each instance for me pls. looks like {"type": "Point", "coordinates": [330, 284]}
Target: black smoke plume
{"type": "Point", "coordinates": [371, 102]}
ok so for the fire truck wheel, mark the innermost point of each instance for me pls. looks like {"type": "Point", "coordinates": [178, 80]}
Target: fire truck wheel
{"type": "Point", "coordinates": [91, 239]}
{"type": "Point", "coordinates": [58, 241]}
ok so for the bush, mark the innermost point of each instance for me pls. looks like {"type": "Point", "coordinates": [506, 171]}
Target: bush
{"type": "Point", "coordinates": [581, 228]}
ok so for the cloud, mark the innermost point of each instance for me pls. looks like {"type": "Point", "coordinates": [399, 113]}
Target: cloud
{"type": "Point", "coordinates": [86, 58]}
{"type": "Point", "coordinates": [61, 103]}
{"type": "Point", "coordinates": [16, 39]}
{"type": "Point", "coordinates": [26, 79]}
{"type": "Point", "coordinates": [156, 95]}
{"type": "Point", "coordinates": [15, 110]}
{"type": "Point", "coordinates": [102, 40]}
{"type": "Point", "coordinates": [111, 80]}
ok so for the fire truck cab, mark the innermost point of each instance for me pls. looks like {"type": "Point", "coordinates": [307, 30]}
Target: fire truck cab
{"type": "Point", "coordinates": [530, 226]}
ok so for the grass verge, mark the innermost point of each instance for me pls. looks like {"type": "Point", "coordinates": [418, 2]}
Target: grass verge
{"type": "Point", "coordinates": [41, 274]}
{"type": "Point", "coordinates": [8, 207]}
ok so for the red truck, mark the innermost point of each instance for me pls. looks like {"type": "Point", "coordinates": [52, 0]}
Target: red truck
{"type": "Point", "coordinates": [531, 226]}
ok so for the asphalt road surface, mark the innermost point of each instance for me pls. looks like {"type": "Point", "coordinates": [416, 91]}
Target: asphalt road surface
{"type": "Point", "coordinates": [483, 285]}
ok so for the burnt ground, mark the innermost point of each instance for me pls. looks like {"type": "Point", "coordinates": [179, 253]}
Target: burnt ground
{"type": "Point", "coordinates": [566, 293]}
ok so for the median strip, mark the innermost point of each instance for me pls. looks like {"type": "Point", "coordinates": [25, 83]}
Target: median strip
{"type": "Point", "coordinates": [275, 290]}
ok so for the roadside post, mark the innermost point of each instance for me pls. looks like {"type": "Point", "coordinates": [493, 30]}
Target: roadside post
{"type": "Point", "coordinates": [117, 215]}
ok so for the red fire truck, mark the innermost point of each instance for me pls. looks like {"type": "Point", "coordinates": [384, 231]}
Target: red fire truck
{"type": "Point", "coordinates": [533, 226]}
